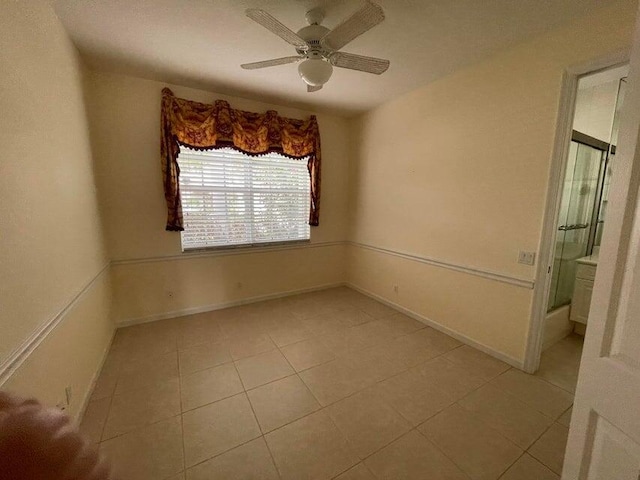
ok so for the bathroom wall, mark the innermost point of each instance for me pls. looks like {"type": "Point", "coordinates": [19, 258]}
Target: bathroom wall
{"type": "Point", "coordinates": [595, 103]}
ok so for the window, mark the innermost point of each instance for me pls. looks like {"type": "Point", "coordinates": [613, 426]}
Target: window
{"type": "Point", "coordinates": [229, 198]}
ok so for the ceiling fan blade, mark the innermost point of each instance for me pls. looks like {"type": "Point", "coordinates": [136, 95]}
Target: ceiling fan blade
{"type": "Point", "coordinates": [364, 19]}
{"type": "Point", "coordinates": [311, 88]}
{"type": "Point", "coordinates": [359, 62]}
{"type": "Point", "coordinates": [270, 63]}
{"type": "Point", "coordinates": [272, 24]}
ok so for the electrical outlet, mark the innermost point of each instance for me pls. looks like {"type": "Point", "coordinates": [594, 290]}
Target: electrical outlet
{"type": "Point", "coordinates": [526, 258]}
{"type": "Point", "coordinates": [64, 403]}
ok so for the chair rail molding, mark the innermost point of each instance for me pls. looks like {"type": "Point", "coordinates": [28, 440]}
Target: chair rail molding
{"type": "Point", "coordinates": [17, 357]}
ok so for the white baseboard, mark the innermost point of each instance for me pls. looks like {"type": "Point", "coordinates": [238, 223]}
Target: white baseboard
{"type": "Point", "coordinates": [92, 385]}
{"type": "Point", "coordinates": [437, 326]}
{"type": "Point", "coordinates": [220, 306]}
{"type": "Point", "coordinates": [427, 321]}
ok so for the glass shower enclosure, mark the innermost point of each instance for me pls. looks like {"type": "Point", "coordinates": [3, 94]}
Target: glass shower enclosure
{"type": "Point", "coordinates": [583, 206]}
{"type": "Point", "coordinates": [579, 200]}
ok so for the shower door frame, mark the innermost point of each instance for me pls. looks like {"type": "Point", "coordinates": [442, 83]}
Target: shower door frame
{"type": "Point", "coordinates": [557, 171]}
{"type": "Point", "coordinates": [592, 226]}
{"type": "Point", "coordinates": [606, 150]}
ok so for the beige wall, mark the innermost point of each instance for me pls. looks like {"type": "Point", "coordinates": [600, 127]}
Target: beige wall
{"type": "Point", "coordinates": [457, 171]}
{"type": "Point", "coordinates": [173, 287]}
{"type": "Point", "coordinates": [51, 242]}
{"type": "Point", "coordinates": [125, 124]}
{"type": "Point", "coordinates": [476, 310]}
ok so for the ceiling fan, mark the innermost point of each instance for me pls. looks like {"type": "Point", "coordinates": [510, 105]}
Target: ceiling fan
{"type": "Point", "coordinates": [318, 47]}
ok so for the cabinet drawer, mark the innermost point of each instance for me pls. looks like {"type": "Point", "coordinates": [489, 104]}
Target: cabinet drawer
{"type": "Point", "coordinates": [588, 272]}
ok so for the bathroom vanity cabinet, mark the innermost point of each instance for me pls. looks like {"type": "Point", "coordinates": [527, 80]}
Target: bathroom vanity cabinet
{"type": "Point", "coordinates": [583, 288]}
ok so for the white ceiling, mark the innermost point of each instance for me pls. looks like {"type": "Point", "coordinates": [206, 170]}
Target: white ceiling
{"type": "Point", "coordinates": [201, 43]}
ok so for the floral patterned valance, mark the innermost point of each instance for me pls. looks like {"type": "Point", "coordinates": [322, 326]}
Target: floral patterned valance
{"type": "Point", "coordinates": [207, 126]}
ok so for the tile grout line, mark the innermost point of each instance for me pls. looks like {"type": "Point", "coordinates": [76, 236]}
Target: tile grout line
{"type": "Point", "coordinates": [512, 464]}
{"type": "Point", "coordinates": [273, 460]}
{"type": "Point", "coordinates": [106, 419]}
{"type": "Point", "coordinates": [464, 472]}
{"type": "Point", "coordinates": [184, 451]}
{"type": "Point", "coordinates": [255, 417]}
{"type": "Point", "coordinates": [223, 452]}
{"type": "Point", "coordinates": [524, 450]}
{"type": "Point", "coordinates": [295, 373]}
{"type": "Point", "coordinates": [456, 402]}
{"type": "Point", "coordinates": [545, 414]}
{"type": "Point", "coordinates": [244, 392]}
{"type": "Point", "coordinates": [374, 383]}
{"type": "Point", "coordinates": [487, 382]}
{"type": "Point", "coordinates": [111, 397]}
{"type": "Point", "coordinates": [535, 441]}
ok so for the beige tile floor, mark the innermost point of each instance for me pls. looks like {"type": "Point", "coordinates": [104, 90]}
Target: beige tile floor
{"type": "Point", "coordinates": [324, 385]}
{"type": "Point", "coordinates": [560, 363]}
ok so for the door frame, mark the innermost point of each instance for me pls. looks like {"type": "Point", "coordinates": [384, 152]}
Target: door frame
{"type": "Point", "coordinates": [546, 247]}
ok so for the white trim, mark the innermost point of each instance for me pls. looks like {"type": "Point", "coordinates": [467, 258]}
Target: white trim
{"type": "Point", "coordinates": [557, 168]}
{"type": "Point", "coordinates": [94, 380]}
{"type": "Point", "coordinates": [468, 269]}
{"type": "Point", "coordinates": [17, 357]}
{"type": "Point", "coordinates": [437, 326]}
{"type": "Point", "coordinates": [427, 321]}
{"type": "Point", "coordinates": [223, 252]}
{"type": "Point", "coordinates": [548, 339]}
{"type": "Point", "coordinates": [220, 306]}
{"type": "Point", "coordinates": [608, 385]}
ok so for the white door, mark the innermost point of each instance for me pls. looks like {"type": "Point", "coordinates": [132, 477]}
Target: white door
{"type": "Point", "coordinates": [604, 439]}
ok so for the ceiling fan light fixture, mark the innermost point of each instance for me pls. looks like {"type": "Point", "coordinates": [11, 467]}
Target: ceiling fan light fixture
{"type": "Point", "coordinates": [315, 72]}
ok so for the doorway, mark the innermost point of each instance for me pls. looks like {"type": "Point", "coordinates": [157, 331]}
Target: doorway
{"type": "Point", "coordinates": [575, 226]}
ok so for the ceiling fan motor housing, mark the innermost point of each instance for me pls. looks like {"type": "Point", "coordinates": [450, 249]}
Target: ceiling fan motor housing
{"type": "Point", "coordinates": [312, 35]}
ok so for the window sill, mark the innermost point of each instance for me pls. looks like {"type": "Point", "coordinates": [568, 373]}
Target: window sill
{"type": "Point", "coordinates": [245, 246]}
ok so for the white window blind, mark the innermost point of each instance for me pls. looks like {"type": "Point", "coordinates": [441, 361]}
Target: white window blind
{"type": "Point", "coordinates": [229, 198]}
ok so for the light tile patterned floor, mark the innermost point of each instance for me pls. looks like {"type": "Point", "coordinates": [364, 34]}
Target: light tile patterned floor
{"type": "Point", "coordinates": [560, 362]}
{"type": "Point", "coordinates": [324, 385]}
